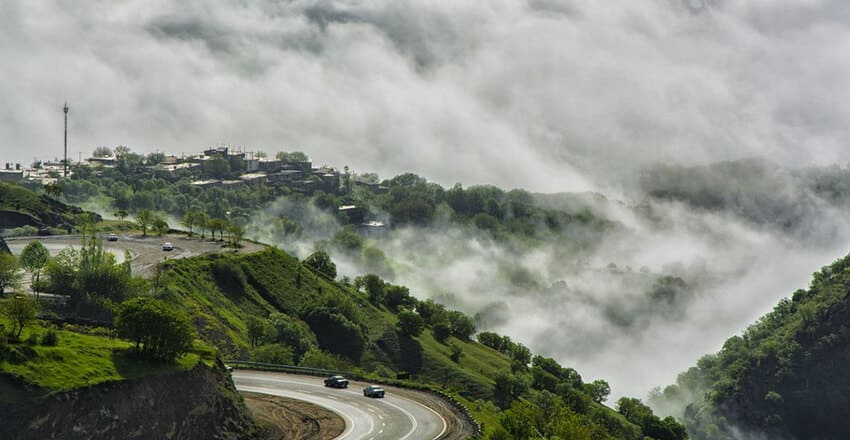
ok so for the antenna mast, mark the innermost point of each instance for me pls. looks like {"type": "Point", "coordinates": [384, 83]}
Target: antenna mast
{"type": "Point", "coordinates": [65, 162]}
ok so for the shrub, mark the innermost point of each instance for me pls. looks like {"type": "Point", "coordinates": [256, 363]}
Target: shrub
{"type": "Point", "coordinates": [50, 339]}
{"type": "Point", "coordinates": [272, 354]}
{"type": "Point", "coordinates": [158, 331]}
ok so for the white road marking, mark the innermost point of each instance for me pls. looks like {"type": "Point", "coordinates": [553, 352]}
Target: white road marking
{"type": "Point", "coordinates": [371, 421]}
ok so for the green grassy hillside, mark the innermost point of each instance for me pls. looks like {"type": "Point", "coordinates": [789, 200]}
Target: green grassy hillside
{"type": "Point", "coordinates": [30, 369]}
{"type": "Point", "coordinates": [20, 206]}
{"type": "Point", "coordinates": [221, 292]}
{"type": "Point", "coordinates": [271, 307]}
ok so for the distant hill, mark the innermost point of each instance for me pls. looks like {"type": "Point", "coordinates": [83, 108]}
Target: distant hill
{"type": "Point", "coordinates": [20, 206]}
{"type": "Point", "coordinates": [785, 377]}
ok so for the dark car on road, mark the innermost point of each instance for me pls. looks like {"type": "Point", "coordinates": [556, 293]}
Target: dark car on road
{"type": "Point", "coordinates": [336, 382]}
{"type": "Point", "coordinates": [112, 237]}
{"type": "Point", "coordinates": [373, 391]}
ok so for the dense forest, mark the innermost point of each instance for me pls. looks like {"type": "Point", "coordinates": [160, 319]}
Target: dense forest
{"type": "Point", "coordinates": [786, 376]}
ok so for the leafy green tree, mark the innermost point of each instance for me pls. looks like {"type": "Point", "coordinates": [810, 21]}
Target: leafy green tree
{"type": "Point", "coordinates": [53, 190]}
{"type": "Point", "coordinates": [235, 234]}
{"type": "Point", "coordinates": [144, 218]}
{"type": "Point", "coordinates": [598, 390]}
{"type": "Point", "coordinates": [456, 353]}
{"type": "Point", "coordinates": [432, 312]}
{"type": "Point", "coordinates": [9, 275]}
{"type": "Point", "coordinates": [256, 330]}
{"type": "Point", "coordinates": [373, 285]}
{"type": "Point", "coordinates": [410, 323]}
{"type": "Point", "coordinates": [202, 220]}
{"type": "Point", "coordinates": [121, 214]}
{"type": "Point", "coordinates": [293, 333]}
{"type": "Point", "coordinates": [336, 333]}
{"type": "Point", "coordinates": [273, 354]}
{"type": "Point", "coordinates": [321, 262]}
{"type": "Point", "coordinates": [33, 259]}
{"type": "Point", "coordinates": [462, 326]}
{"type": "Point", "coordinates": [189, 220]}
{"type": "Point", "coordinates": [21, 311]}
{"type": "Point", "coordinates": [159, 225]}
{"type": "Point", "coordinates": [102, 151]}
{"type": "Point", "coordinates": [398, 297]}
{"type": "Point", "coordinates": [217, 167]}
{"type": "Point", "coordinates": [295, 156]}
{"type": "Point", "coordinates": [508, 388]}
{"type": "Point", "coordinates": [159, 331]}
{"type": "Point", "coordinates": [442, 330]}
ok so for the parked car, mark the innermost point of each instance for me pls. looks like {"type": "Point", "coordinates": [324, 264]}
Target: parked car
{"type": "Point", "coordinates": [336, 382]}
{"type": "Point", "coordinates": [373, 391]}
{"type": "Point", "coordinates": [167, 246]}
{"type": "Point", "coordinates": [112, 237]}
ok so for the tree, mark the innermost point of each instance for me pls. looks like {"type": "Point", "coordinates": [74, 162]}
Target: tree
{"type": "Point", "coordinates": [189, 220]}
{"type": "Point", "coordinates": [144, 218]}
{"type": "Point", "coordinates": [53, 190]}
{"type": "Point", "coordinates": [508, 388]}
{"type": "Point", "coordinates": [321, 262]}
{"type": "Point", "coordinates": [203, 221]}
{"type": "Point", "coordinates": [295, 156]}
{"type": "Point", "coordinates": [33, 259]}
{"type": "Point", "coordinates": [373, 285]}
{"type": "Point", "coordinates": [159, 225]}
{"type": "Point", "coordinates": [21, 311]}
{"type": "Point", "coordinates": [442, 331]}
{"type": "Point", "coordinates": [102, 151]}
{"type": "Point", "coordinates": [158, 331]}
{"type": "Point", "coordinates": [235, 234]}
{"type": "Point", "coordinates": [462, 325]}
{"type": "Point", "coordinates": [121, 214]}
{"type": "Point", "coordinates": [598, 390]}
{"type": "Point", "coordinates": [9, 275]}
{"type": "Point", "coordinates": [256, 330]}
{"type": "Point", "coordinates": [410, 323]}
{"type": "Point", "coordinates": [217, 167]}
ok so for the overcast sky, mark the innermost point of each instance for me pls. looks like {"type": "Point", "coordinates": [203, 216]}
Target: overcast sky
{"type": "Point", "coordinates": [544, 94]}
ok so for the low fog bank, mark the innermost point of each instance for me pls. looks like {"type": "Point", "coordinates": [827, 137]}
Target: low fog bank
{"type": "Point", "coordinates": [667, 284]}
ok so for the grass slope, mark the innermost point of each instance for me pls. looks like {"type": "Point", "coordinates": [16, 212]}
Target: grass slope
{"type": "Point", "coordinates": [222, 291]}
{"type": "Point", "coordinates": [36, 209]}
{"type": "Point", "coordinates": [78, 360]}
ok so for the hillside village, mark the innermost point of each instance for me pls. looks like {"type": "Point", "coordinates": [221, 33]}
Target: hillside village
{"type": "Point", "coordinates": [220, 166]}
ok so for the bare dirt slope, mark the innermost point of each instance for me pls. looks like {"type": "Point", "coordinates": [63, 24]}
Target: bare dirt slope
{"type": "Point", "coordinates": [289, 419]}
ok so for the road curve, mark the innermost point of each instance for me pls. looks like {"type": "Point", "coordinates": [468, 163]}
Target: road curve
{"type": "Point", "coordinates": [390, 418]}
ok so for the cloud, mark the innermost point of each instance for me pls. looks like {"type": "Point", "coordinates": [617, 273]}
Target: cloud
{"type": "Point", "coordinates": [545, 94]}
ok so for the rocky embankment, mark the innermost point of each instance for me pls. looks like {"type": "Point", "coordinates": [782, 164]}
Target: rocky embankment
{"type": "Point", "coordinates": [198, 404]}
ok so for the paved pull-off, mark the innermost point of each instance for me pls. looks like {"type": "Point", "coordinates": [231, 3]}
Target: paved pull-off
{"type": "Point", "coordinates": [390, 418]}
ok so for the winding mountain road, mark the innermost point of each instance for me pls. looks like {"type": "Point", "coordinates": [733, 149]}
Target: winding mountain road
{"type": "Point", "coordinates": [392, 418]}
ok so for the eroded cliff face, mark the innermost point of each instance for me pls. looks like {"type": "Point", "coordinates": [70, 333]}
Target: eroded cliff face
{"type": "Point", "coordinates": [199, 404]}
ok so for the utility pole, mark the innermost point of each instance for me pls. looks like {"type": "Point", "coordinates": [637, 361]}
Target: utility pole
{"type": "Point", "coordinates": [65, 162]}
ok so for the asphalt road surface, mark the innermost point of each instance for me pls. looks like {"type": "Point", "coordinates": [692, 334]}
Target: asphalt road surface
{"type": "Point", "coordinates": [145, 252]}
{"type": "Point", "coordinates": [390, 418]}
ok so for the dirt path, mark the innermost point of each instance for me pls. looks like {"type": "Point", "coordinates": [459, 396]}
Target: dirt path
{"type": "Point", "coordinates": [289, 419]}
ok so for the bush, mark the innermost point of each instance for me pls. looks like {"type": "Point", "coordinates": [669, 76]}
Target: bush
{"type": "Point", "coordinates": [32, 339]}
{"type": "Point", "coordinates": [50, 339]}
{"type": "Point", "coordinates": [442, 331]}
{"type": "Point", "coordinates": [159, 331]}
{"type": "Point", "coordinates": [272, 354]}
